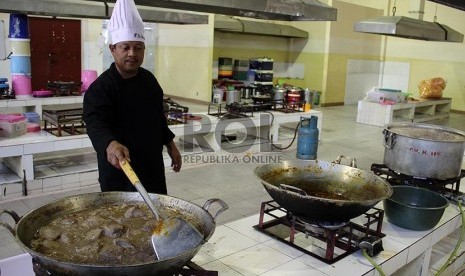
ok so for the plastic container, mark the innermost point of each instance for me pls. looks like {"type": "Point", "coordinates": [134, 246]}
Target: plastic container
{"type": "Point", "coordinates": [87, 78]}
{"type": "Point", "coordinates": [12, 125]}
{"type": "Point", "coordinates": [20, 47]}
{"type": "Point", "coordinates": [261, 63]}
{"type": "Point", "coordinates": [19, 26]}
{"type": "Point", "coordinates": [32, 117]}
{"type": "Point", "coordinates": [42, 93]}
{"type": "Point", "coordinates": [20, 65]}
{"type": "Point", "coordinates": [22, 86]}
{"type": "Point", "coordinates": [31, 127]}
{"type": "Point", "coordinates": [218, 95]}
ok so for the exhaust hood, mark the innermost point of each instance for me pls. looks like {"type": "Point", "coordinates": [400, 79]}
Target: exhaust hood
{"type": "Point", "coordinates": [85, 9]}
{"type": "Point", "coordinates": [284, 10]}
{"type": "Point", "coordinates": [406, 27]}
{"type": "Point", "coordinates": [239, 25]}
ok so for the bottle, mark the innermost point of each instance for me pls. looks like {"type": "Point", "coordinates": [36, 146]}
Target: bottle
{"type": "Point", "coordinates": [307, 97]}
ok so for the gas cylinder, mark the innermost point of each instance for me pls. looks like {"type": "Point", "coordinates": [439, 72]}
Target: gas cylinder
{"type": "Point", "coordinates": [307, 141]}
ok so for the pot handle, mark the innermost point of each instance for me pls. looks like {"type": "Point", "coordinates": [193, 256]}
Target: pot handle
{"type": "Point", "coordinates": [209, 202]}
{"type": "Point", "coordinates": [292, 189]}
{"type": "Point", "coordinates": [389, 139]}
{"type": "Point", "coordinates": [15, 217]}
{"type": "Point", "coordinates": [353, 162]}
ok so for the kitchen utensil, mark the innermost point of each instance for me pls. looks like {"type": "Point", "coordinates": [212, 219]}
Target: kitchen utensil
{"type": "Point", "coordinates": [414, 208]}
{"type": "Point", "coordinates": [424, 150]}
{"type": "Point", "coordinates": [21, 84]}
{"type": "Point", "coordinates": [333, 192]}
{"type": "Point", "coordinates": [28, 225]}
{"type": "Point", "coordinates": [171, 236]}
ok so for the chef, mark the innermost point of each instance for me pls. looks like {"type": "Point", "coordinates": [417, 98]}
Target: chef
{"type": "Point", "coordinates": [123, 111]}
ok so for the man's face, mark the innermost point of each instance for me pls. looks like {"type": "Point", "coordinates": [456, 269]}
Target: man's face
{"type": "Point", "coordinates": [128, 56]}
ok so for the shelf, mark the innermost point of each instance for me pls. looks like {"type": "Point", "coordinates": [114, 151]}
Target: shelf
{"type": "Point", "coordinates": [36, 104]}
{"type": "Point", "coordinates": [424, 110]}
{"type": "Point", "coordinates": [20, 153]}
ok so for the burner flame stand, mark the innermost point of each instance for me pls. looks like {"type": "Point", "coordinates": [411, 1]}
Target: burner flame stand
{"type": "Point", "coordinates": [345, 237]}
{"type": "Point", "coordinates": [191, 269]}
{"type": "Point", "coordinates": [437, 185]}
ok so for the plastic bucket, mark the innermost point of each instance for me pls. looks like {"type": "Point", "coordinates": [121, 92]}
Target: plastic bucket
{"type": "Point", "coordinates": [21, 85]}
{"type": "Point", "coordinates": [19, 26]}
{"type": "Point", "coordinates": [20, 65]}
{"type": "Point", "coordinates": [20, 47]}
{"type": "Point", "coordinates": [87, 78]}
{"type": "Point", "coordinates": [32, 117]}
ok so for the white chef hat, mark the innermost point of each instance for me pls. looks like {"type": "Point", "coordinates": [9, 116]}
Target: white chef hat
{"type": "Point", "coordinates": [125, 23]}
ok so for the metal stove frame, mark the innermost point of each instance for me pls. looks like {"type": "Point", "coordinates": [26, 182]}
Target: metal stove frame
{"type": "Point", "coordinates": [394, 178]}
{"type": "Point", "coordinates": [191, 269]}
{"type": "Point", "coordinates": [343, 237]}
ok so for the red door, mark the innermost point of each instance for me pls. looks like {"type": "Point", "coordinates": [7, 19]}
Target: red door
{"type": "Point", "coordinates": [55, 51]}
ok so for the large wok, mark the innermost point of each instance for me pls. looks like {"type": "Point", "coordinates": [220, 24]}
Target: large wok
{"type": "Point", "coordinates": [28, 225]}
{"type": "Point", "coordinates": [323, 191]}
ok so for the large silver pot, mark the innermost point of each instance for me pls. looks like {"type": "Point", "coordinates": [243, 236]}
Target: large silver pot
{"type": "Point", "coordinates": [424, 150]}
{"type": "Point", "coordinates": [30, 223]}
{"type": "Point", "coordinates": [278, 93]}
{"type": "Point", "coordinates": [233, 96]}
{"type": "Point", "coordinates": [321, 190]}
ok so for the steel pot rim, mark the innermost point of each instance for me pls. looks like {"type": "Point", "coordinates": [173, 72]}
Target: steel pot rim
{"type": "Point", "coordinates": [390, 127]}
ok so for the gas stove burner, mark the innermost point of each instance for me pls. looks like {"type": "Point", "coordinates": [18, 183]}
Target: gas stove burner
{"type": "Point", "coordinates": [328, 243]}
{"type": "Point", "coordinates": [323, 224]}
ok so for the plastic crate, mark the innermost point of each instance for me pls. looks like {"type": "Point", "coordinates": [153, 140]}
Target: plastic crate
{"type": "Point", "coordinates": [12, 125]}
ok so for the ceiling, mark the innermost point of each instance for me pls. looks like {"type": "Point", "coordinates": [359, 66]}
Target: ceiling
{"type": "Point", "coordinates": [456, 4]}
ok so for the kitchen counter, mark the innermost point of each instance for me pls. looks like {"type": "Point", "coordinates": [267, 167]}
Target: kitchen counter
{"type": "Point", "coordinates": [18, 152]}
{"type": "Point", "coordinates": [236, 248]}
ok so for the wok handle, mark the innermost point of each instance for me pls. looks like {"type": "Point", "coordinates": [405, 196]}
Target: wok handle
{"type": "Point", "coordinates": [353, 162]}
{"type": "Point", "coordinates": [224, 206]}
{"type": "Point", "coordinates": [292, 189]}
{"type": "Point", "coordinates": [15, 217]}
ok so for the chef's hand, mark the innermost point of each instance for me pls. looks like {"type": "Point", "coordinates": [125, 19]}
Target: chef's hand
{"type": "Point", "coordinates": [173, 152]}
{"type": "Point", "coordinates": [116, 152]}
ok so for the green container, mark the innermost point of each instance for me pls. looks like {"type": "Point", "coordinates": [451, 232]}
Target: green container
{"type": "Point", "coordinates": [414, 208]}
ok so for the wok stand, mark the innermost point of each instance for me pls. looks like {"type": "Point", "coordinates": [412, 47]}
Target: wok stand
{"type": "Point", "coordinates": [449, 188]}
{"type": "Point", "coordinates": [341, 240]}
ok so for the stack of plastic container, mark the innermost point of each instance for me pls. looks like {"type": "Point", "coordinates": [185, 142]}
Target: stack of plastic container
{"type": "Point", "coordinates": [20, 65]}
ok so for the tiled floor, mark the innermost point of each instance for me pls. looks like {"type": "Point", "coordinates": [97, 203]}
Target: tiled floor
{"type": "Point", "coordinates": [233, 183]}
